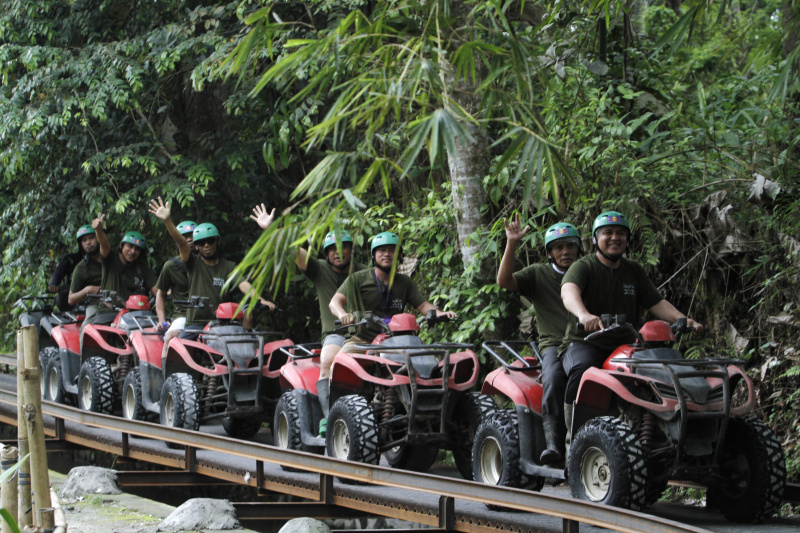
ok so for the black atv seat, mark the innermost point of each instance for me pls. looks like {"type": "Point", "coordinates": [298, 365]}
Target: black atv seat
{"type": "Point", "coordinates": [697, 387]}
{"type": "Point", "coordinates": [236, 341]}
{"type": "Point", "coordinates": [129, 320]}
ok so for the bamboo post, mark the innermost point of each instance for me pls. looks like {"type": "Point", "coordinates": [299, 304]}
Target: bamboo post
{"type": "Point", "coordinates": [40, 477]}
{"type": "Point", "coordinates": [24, 514]}
{"type": "Point", "coordinates": [60, 517]}
{"type": "Point", "coordinates": [8, 494]}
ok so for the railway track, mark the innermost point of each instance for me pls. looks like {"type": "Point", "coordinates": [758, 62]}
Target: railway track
{"type": "Point", "coordinates": [443, 503]}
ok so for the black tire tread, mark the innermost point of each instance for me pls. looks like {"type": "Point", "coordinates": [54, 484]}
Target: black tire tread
{"type": "Point", "coordinates": [621, 445]}
{"type": "Point", "coordinates": [99, 372]}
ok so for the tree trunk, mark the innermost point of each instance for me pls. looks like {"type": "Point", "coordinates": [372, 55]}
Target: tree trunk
{"type": "Point", "coordinates": [468, 166]}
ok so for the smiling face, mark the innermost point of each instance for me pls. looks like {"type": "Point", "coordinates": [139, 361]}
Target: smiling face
{"type": "Point", "coordinates": [384, 255]}
{"type": "Point", "coordinates": [563, 252]}
{"type": "Point", "coordinates": [207, 248]}
{"type": "Point", "coordinates": [130, 253]}
{"type": "Point", "coordinates": [612, 240]}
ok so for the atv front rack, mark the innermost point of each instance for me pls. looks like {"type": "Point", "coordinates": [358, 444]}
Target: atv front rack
{"type": "Point", "coordinates": [252, 338]}
{"type": "Point", "coordinates": [510, 347]}
{"type": "Point", "coordinates": [306, 351]}
{"type": "Point", "coordinates": [704, 368]}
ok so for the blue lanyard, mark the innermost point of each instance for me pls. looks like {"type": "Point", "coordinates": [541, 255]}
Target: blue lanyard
{"type": "Point", "coordinates": [384, 301]}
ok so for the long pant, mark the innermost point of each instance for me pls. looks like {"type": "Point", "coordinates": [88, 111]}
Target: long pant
{"type": "Point", "coordinates": [580, 357]}
{"type": "Point", "coordinates": [554, 383]}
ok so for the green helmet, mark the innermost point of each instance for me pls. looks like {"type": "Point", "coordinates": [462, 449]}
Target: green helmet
{"type": "Point", "coordinates": [382, 239]}
{"type": "Point", "coordinates": [84, 230]}
{"type": "Point", "coordinates": [135, 238]}
{"type": "Point", "coordinates": [330, 239]}
{"type": "Point", "coordinates": [610, 218]}
{"type": "Point", "coordinates": [187, 226]}
{"type": "Point", "coordinates": [562, 230]}
{"type": "Point", "coordinates": [205, 230]}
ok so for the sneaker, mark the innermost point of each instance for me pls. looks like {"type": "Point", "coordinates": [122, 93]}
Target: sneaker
{"type": "Point", "coordinates": [323, 427]}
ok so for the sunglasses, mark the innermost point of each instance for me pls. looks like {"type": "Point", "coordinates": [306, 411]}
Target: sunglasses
{"type": "Point", "coordinates": [203, 242]}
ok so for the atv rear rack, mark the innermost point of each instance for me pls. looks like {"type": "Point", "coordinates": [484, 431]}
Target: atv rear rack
{"type": "Point", "coordinates": [306, 350]}
{"type": "Point", "coordinates": [509, 346]}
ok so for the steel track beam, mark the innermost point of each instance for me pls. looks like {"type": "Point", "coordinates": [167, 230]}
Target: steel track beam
{"type": "Point", "coordinates": [569, 510]}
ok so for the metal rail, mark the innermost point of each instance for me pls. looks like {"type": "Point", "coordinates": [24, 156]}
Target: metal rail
{"type": "Point", "coordinates": [572, 512]}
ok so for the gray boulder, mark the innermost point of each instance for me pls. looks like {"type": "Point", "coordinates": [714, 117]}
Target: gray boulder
{"type": "Point", "coordinates": [201, 513]}
{"type": "Point", "coordinates": [89, 480]}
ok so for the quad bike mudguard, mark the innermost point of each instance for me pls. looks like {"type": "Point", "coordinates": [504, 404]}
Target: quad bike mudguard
{"type": "Point", "coordinates": [148, 344]}
{"type": "Point", "coordinates": [275, 358]}
{"type": "Point", "coordinates": [522, 387]}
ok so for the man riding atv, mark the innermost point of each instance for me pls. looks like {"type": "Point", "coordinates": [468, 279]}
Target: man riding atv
{"type": "Point", "coordinates": [605, 283]}
{"type": "Point", "coordinates": [373, 290]}
{"type": "Point", "coordinates": [541, 284]}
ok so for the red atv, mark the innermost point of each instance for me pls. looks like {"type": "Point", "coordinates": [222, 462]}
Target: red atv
{"type": "Point", "coordinates": [228, 373]}
{"type": "Point", "coordinates": [59, 338]}
{"type": "Point", "coordinates": [406, 400]}
{"type": "Point", "coordinates": [646, 417]}
{"type": "Point", "coordinates": [107, 355]}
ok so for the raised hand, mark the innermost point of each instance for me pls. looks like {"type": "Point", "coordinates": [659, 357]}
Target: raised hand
{"type": "Point", "coordinates": [262, 218]}
{"type": "Point", "coordinates": [514, 230]}
{"type": "Point", "coordinates": [159, 209]}
{"type": "Point", "coordinates": [98, 222]}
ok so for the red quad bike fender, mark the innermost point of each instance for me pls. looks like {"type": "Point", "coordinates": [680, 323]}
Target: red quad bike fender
{"type": "Point", "coordinates": [183, 352]}
{"type": "Point", "coordinates": [598, 387]}
{"type": "Point", "coordinates": [148, 347]}
{"type": "Point", "coordinates": [68, 337]}
{"type": "Point", "coordinates": [301, 374]}
{"type": "Point", "coordinates": [521, 388]}
{"type": "Point", "coordinates": [274, 359]}
{"type": "Point", "coordinates": [350, 370]}
{"type": "Point", "coordinates": [96, 337]}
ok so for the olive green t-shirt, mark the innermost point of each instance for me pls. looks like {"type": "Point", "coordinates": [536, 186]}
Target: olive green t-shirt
{"type": "Point", "coordinates": [326, 280]}
{"type": "Point", "coordinates": [126, 278]}
{"type": "Point", "coordinates": [86, 273]}
{"type": "Point", "coordinates": [174, 278]}
{"type": "Point", "coordinates": [542, 285]}
{"type": "Point", "coordinates": [364, 293]}
{"type": "Point", "coordinates": [208, 280]}
{"type": "Point", "coordinates": [623, 290]}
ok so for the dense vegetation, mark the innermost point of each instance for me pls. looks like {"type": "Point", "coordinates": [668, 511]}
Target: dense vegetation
{"type": "Point", "coordinates": [437, 120]}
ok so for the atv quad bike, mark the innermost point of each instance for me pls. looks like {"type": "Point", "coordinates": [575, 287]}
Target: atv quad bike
{"type": "Point", "coordinates": [646, 417]}
{"type": "Point", "coordinates": [107, 355]}
{"type": "Point", "coordinates": [405, 399]}
{"type": "Point", "coordinates": [228, 373]}
{"type": "Point", "coordinates": [59, 335]}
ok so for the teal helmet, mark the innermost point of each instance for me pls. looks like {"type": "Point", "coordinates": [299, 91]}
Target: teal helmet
{"type": "Point", "coordinates": [330, 239]}
{"type": "Point", "coordinates": [84, 230]}
{"type": "Point", "coordinates": [136, 239]}
{"type": "Point", "coordinates": [562, 230]}
{"type": "Point", "coordinates": [187, 226]}
{"type": "Point", "coordinates": [383, 239]}
{"type": "Point", "coordinates": [205, 230]}
{"type": "Point", "coordinates": [610, 218]}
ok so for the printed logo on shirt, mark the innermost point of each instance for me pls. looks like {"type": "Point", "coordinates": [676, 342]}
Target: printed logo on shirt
{"type": "Point", "coordinates": [397, 305]}
{"type": "Point", "coordinates": [219, 282]}
{"type": "Point", "coordinates": [629, 289]}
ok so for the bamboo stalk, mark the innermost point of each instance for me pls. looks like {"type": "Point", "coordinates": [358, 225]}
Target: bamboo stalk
{"type": "Point", "coordinates": [8, 494]}
{"type": "Point", "coordinates": [33, 417]}
{"type": "Point", "coordinates": [24, 514]}
{"type": "Point", "coordinates": [60, 517]}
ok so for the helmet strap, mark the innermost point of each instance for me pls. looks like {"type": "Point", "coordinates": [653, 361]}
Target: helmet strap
{"type": "Point", "coordinates": [382, 269]}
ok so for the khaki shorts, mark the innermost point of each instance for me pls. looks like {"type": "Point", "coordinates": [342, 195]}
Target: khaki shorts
{"type": "Point", "coordinates": [350, 344]}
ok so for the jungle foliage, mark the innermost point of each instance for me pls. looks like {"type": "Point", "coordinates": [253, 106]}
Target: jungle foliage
{"type": "Point", "coordinates": [356, 113]}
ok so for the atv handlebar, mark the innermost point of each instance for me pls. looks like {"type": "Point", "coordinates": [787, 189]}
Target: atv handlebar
{"type": "Point", "coordinates": [194, 302]}
{"type": "Point", "coordinates": [615, 322]}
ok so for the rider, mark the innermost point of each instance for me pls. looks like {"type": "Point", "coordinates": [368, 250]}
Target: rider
{"type": "Point", "coordinates": [207, 271]}
{"type": "Point", "coordinates": [173, 279]}
{"type": "Point", "coordinates": [373, 290]}
{"type": "Point", "coordinates": [327, 275]}
{"type": "Point", "coordinates": [541, 283]}
{"type": "Point", "coordinates": [86, 272]}
{"type": "Point", "coordinates": [605, 283]}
